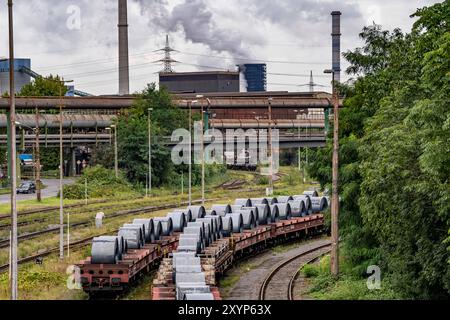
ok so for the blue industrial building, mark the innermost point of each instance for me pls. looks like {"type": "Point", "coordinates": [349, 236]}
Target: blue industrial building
{"type": "Point", "coordinates": [255, 75]}
{"type": "Point", "coordinates": [21, 78]}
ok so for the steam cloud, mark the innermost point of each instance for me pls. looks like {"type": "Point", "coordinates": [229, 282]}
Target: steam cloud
{"type": "Point", "coordinates": [198, 25]}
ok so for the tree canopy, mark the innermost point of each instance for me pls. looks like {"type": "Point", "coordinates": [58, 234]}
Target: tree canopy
{"type": "Point", "coordinates": [394, 155]}
{"type": "Point", "coordinates": [44, 86]}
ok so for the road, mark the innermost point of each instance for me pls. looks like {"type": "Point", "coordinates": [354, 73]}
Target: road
{"type": "Point", "coordinates": [51, 190]}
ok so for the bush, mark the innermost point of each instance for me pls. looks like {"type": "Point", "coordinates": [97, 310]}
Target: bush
{"type": "Point", "coordinates": [101, 182]}
{"type": "Point", "coordinates": [262, 180]}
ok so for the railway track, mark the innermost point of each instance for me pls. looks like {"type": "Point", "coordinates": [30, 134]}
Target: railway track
{"type": "Point", "coordinates": [5, 242]}
{"type": "Point", "coordinates": [74, 245]}
{"type": "Point", "coordinates": [279, 282]}
{"type": "Point", "coordinates": [49, 209]}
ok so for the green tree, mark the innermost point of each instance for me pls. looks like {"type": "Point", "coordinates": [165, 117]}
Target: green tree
{"type": "Point", "coordinates": [44, 87]}
{"type": "Point", "coordinates": [394, 164]}
{"type": "Point", "coordinates": [133, 135]}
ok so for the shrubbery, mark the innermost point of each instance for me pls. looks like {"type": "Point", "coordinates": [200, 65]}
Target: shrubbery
{"type": "Point", "coordinates": [101, 182]}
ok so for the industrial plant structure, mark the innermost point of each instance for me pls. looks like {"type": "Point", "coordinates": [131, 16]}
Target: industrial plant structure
{"type": "Point", "coordinates": [207, 81]}
{"type": "Point", "coordinates": [254, 76]}
{"type": "Point", "coordinates": [21, 78]}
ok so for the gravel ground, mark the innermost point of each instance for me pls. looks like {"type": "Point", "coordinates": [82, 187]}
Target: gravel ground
{"type": "Point", "coordinates": [247, 287]}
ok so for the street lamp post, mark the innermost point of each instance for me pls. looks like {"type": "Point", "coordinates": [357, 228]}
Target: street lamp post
{"type": "Point", "coordinates": [12, 157]}
{"type": "Point", "coordinates": [190, 149]}
{"type": "Point", "coordinates": [270, 147]}
{"type": "Point", "coordinates": [116, 157]}
{"type": "Point", "coordinates": [335, 193]}
{"type": "Point", "coordinates": [202, 149]}
{"type": "Point", "coordinates": [149, 151]}
{"type": "Point", "coordinates": [61, 176]}
{"type": "Point", "coordinates": [38, 160]}
{"type": "Point", "coordinates": [297, 112]}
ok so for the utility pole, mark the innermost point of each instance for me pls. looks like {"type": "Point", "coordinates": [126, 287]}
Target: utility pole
{"type": "Point", "coordinates": [150, 150]}
{"type": "Point", "coordinates": [190, 151]}
{"type": "Point", "coordinates": [12, 155]}
{"type": "Point", "coordinates": [202, 149]}
{"type": "Point", "coordinates": [116, 157]}
{"type": "Point", "coordinates": [61, 175]}
{"type": "Point", "coordinates": [38, 159]}
{"type": "Point", "coordinates": [270, 147]}
{"type": "Point", "coordinates": [335, 182]}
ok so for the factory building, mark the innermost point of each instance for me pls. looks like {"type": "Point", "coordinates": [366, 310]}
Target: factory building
{"type": "Point", "coordinates": [209, 81]}
{"type": "Point", "coordinates": [21, 76]}
{"type": "Point", "coordinates": [254, 76]}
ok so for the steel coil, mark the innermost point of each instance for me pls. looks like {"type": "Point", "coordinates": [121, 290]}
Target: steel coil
{"type": "Point", "coordinates": [209, 229]}
{"type": "Point", "coordinates": [136, 225]}
{"type": "Point", "coordinates": [133, 237]}
{"type": "Point", "coordinates": [178, 220]}
{"type": "Point", "coordinates": [284, 199]}
{"type": "Point", "coordinates": [197, 212]}
{"type": "Point", "coordinates": [210, 212]}
{"type": "Point", "coordinates": [311, 193]}
{"type": "Point", "coordinates": [284, 211]}
{"type": "Point", "coordinates": [166, 225]}
{"type": "Point", "coordinates": [306, 199]}
{"type": "Point", "coordinates": [236, 207]}
{"type": "Point", "coordinates": [274, 212]}
{"type": "Point", "coordinates": [191, 278]}
{"type": "Point", "coordinates": [255, 212]}
{"type": "Point", "coordinates": [157, 229]}
{"type": "Point", "coordinates": [263, 213]}
{"type": "Point", "coordinates": [190, 242]}
{"type": "Point", "coordinates": [182, 289]}
{"type": "Point", "coordinates": [187, 214]}
{"type": "Point", "coordinates": [256, 201]}
{"type": "Point", "coordinates": [200, 227]}
{"type": "Point", "coordinates": [271, 200]}
{"type": "Point", "coordinates": [243, 202]}
{"type": "Point", "coordinates": [198, 296]}
{"type": "Point", "coordinates": [183, 258]}
{"type": "Point", "coordinates": [218, 223]}
{"type": "Point", "coordinates": [248, 219]}
{"type": "Point", "coordinates": [238, 223]}
{"type": "Point", "coordinates": [198, 224]}
{"type": "Point", "coordinates": [149, 228]}
{"type": "Point", "coordinates": [227, 226]}
{"type": "Point", "coordinates": [105, 251]}
{"type": "Point", "coordinates": [298, 208]}
{"type": "Point", "coordinates": [318, 204]}
{"type": "Point", "coordinates": [122, 244]}
{"type": "Point", "coordinates": [221, 209]}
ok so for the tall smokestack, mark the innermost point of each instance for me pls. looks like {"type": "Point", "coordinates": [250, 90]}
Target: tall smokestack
{"type": "Point", "coordinates": [336, 44]}
{"type": "Point", "coordinates": [124, 76]}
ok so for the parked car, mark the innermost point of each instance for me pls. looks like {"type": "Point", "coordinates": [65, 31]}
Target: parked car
{"type": "Point", "coordinates": [26, 187]}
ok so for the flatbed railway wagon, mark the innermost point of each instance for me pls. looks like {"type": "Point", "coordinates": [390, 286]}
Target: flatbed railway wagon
{"type": "Point", "coordinates": [103, 278]}
{"type": "Point", "coordinates": [117, 262]}
{"type": "Point", "coordinates": [215, 260]}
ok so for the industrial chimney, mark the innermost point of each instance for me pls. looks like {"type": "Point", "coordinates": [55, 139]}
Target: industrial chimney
{"type": "Point", "coordinates": [124, 76]}
{"type": "Point", "coordinates": [336, 44]}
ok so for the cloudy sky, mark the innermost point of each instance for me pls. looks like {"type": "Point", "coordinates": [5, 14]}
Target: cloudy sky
{"type": "Point", "coordinates": [78, 38]}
